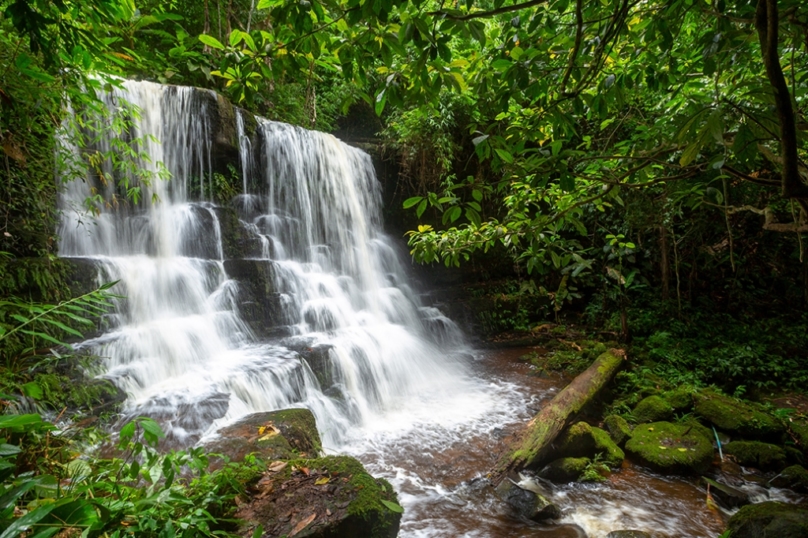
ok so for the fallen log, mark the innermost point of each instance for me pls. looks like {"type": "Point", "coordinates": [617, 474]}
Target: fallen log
{"type": "Point", "coordinates": [535, 442]}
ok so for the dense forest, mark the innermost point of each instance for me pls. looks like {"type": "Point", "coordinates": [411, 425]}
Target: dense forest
{"type": "Point", "coordinates": [570, 176]}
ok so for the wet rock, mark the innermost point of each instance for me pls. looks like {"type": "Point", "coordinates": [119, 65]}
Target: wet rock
{"type": "Point", "coordinates": [237, 241]}
{"type": "Point", "coordinates": [794, 478]}
{"type": "Point", "coordinates": [652, 409]}
{"type": "Point", "coordinates": [584, 441]}
{"type": "Point", "coordinates": [799, 430]}
{"type": "Point", "coordinates": [281, 434]}
{"type": "Point", "coordinates": [259, 303]}
{"type": "Point", "coordinates": [794, 455]}
{"type": "Point", "coordinates": [525, 503]}
{"type": "Point", "coordinates": [670, 448]}
{"type": "Point", "coordinates": [618, 429]}
{"type": "Point", "coordinates": [769, 520]}
{"type": "Point", "coordinates": [564, 470]}
{"type": "Point", "coordinates": [628, 534]}
{"type": "Point", "coordinates": [330, 497]}
{"type": "Point", "coordinates": [733, 416]}
{"type": "Point", "coordinates": [726, 495]}
{"type": "Point", "coordinates": [763, 456]}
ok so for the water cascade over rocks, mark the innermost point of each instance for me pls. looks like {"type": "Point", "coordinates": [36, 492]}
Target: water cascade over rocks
{"type": "Point", "coordinates": [352, 342]}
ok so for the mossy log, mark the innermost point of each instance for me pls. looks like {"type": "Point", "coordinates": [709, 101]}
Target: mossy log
{"type": "Point", "coordinates": [535, 442]}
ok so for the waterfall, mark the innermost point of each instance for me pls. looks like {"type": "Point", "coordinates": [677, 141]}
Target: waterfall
{"type": "Point", "coordinates": [353, 345]}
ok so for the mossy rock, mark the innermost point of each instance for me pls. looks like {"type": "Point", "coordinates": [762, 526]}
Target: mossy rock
{"type": "Point", "coordinates": [670, 448]}
{"type": "Point", "coordinates": [652, 409]}
{"type": "Point", "coordinates": [564, 470]}
{"type": "Point", "coordinates": [680, 399]}
{"type": "Point", "coordinates": [584, 441]}
{"type": "Point", "coordinates": [329, 497]}
{"type": "Point", "coordinates": [734, 416]}
{"type": "Point", "coordinates": [799, 430]}
{"type": "Point", "coordinates": [618, 429]}
{"type": "Point", "coordinates": [769, 520]}
{"type": "Point", "coordinates": [794, 477]}
{"type": "Point", "coordinates": [700, 428]}
{"type": "Point", "coordinates": [284, 434]}
{"type": "Point", "coordinates": [764, 456]}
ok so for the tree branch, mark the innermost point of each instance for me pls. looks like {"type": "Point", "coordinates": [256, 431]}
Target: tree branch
{"type": "Point", "coordinates": [484, 14]}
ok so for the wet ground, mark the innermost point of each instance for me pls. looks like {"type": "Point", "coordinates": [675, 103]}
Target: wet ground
{"type": "Point", "coordinates": [437, 451]}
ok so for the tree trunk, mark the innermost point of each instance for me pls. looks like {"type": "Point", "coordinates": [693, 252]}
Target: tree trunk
{"type": "Point", "coordinates": [535, 442]}
{"type": "Point", "coordinates": [664, 265]}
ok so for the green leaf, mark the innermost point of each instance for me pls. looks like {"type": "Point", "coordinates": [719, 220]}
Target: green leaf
{"type": "Point", "coordinates": [393, 507]}
{"type": "Point", "coordinates": [477, 195]}
{"type": "Point", "coordinates": [567, 182]}
{"type": "Point", "coordinates": [381, 99]}
{"type": "Point", "coordinates": [501, 64]}
{"type": "Point", "coordinates": [211, 41]}
{"type": "Point", "coordinates": [32, 390]}
{"type": "Point", "coordinates": [421, 208]}
{"type": "Point", "coordinates": [504, 155]}
{"type": "Point", "coordinates": [409, 202]}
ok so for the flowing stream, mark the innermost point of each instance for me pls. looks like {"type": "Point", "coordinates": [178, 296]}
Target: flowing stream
{"type": "Point", "coordinates": [389, 380]}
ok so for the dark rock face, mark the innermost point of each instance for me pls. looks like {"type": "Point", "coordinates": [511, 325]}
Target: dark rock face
{"type": "Point", "coordinates": [259, 303]}
{"type": "Point", "coordinates": [526, 503]}
{"type": "Point", "coordinates": [769, 520]}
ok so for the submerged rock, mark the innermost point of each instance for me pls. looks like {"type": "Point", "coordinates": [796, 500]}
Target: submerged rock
{"type": "Point", "coordinates": [618, 429]}
{"type": "Point", "coordinates": [769, 520]}
{"type": "Point", "coordinates": [584, 441]}
{"type": "Point", "coordinates": [330, 497]}
{"type": "Point", "coordinates": [794, 477]}
{"type": "Point", "coordinates": [526, 503]}
{"type": "Point", "coordinates": [288, 433]}
{"type": "Point", "coordinates": [733, 416]}
{"type": "Point", "coordinates": [564, 470]}
{"type": "Point", "coordinates": [764, 456]}
{"type": "Point", "coordinates": [670, 448]}
{"type": "Point", "coordinates": [652, 409]}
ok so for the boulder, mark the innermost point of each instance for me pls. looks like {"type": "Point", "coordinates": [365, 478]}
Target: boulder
{"type": "Point", "coordinates": [584, 441]}
{"type": "Point", "coordinates": [628, 534]}
{"type": "Point", "coordinates": [670, 448]}
{"type": "Point", "coordinates": [330, 497]}
{"type": "Point", "coordinates": [733, 416]}
{"type": "Point", "coordinates": [284, 434]}
{"type": "Point", "coordinates": [726, 495]}
{"type": "Point", "coordinates": [763, 456]}
{"type": "Point", "coordinates": [618, 429]}
{"type": "Point", "coordinates": [526, 503]}
{"type": "Point", "coordinates": [652, 409]}
{"type": "Point", "coordinates": [769, 520]}
{"type": "Point", "coordinates": [680, 399]}
{"type": "Point", "coordinates": [564, 470]}
{"type": "Point", "coordinates": [794, 477]}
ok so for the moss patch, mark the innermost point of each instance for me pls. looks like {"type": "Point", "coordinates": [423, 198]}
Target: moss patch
{"type": "Point", "coordinates": [618, 429]}
{"type": "Point", "coordinates": [670, 448]}
{"type": "Point", "coordinates": [756, 454]}
{"type": "Point", "coordinates": [769, 520]}
{"type": "Point", "coordinates": [652, 409]}
{"type": "Point", "coordinates": [680, 399]}
{"type": "Point", "coordinates": [732, 415]}
{"type": "Point", "coordinates": [794, 477]}
{"type": "Point", "coordinates": [564, 470]}
{"type": "Point", "coordinates": [584, 441]}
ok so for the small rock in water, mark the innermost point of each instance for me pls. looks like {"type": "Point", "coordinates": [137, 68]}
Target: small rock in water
{"type": "Point", "coordinates": [727, 496]}
{"type": "Point", "coordinates": [525, 503]}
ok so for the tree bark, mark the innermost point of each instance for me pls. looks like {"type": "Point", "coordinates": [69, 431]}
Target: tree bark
{"type": "Point", "coordinates": [535, 442]}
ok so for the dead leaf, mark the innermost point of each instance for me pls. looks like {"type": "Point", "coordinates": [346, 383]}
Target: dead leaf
{"type": "Point", "coordinates": [305, 471]}
{"type": "Point", "coordinates": [302, 525]}
{"type": "Point", "coordinates": [276, 466]}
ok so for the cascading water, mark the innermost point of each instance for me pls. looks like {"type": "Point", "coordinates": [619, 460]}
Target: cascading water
{"type": "Point", "coordinates": [387, 379]}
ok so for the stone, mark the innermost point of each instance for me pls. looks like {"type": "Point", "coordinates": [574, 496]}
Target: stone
{"type": "Point", "coordinates": [726, 495]}
{"type": "Point", "coordinates": [525, 503]}
{"type": "Point", "coordinates": [584, 441]}
{"type": "Point", "coordinates": [259, 303]}
{"type": "Point", "coordinates": [733, 416]}
{"type": "Point", "coordinates": [670, 448]}
{"type": "Point", "coordinates": [680, 399]}
{"type": "Point", "coordinates": [794, 478]}
{"type": "Point", "coordinates": [799, 431]}
{"type": "Point", "coordinates": [329, 497]}
{"type": "Point", "coordinates": [769, 520]}
{"type": "Point", "coordinates": [652, 409]}
{"type": "Point", "coordinates": [564, 470]}
{"type": "Point", "coordinates": [628, 534]}
{"type": "Point", "coordinates": [283, 434]}
{"type": "Point", "coordinates": [763, 456]}
{"type": "Point", "coordinates": [618, 429]}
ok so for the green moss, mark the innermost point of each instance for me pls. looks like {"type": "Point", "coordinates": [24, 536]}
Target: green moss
{"type": "Point", "coordinates": [652, 409]}
{"type": "Point", "coordinates": [680, 399]}
{"type": "Point", "coordinates": [756, 454]}
{"type": "Point", "coordinates": [794, 477]}
{"type": "Point", "coordinates": [699, 428]}
{"type": "Point", "coordinates": [799, 429]}
{"type": "Point", "coordinates": [618, 429]}
{"type": "Point", "coordinates": [670, 448]}
{"type": "Point", "coordinates": [611, 454]}
{"type": "Point", "coordinates": [584, 441]}
{"type": "Point", "coordinates": [732, 415]}
{"type": "Point", "coordinates": [769, 520]}
{"type": "Point", "coordinates": [564, 470]}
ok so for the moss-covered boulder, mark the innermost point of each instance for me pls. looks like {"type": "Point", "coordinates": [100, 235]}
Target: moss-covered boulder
{"type": "Point", "coordinates": [618, 429]}
{"type": "Point", "coordinates": [769, 520]}
{"type": "Point", "coordinates": [564, 470]}
{"type": "Point", "coordinates": [670, 448]}
{"type": "Point", "coordinates": [794, 477]}
{"type": "Point", "coordinates": [733, 416]}
{"type": "Point", "coordinates": [680, 399]}
{"type": "Point", "coordinates": [526, 503]}
{"type": "Point", "coordinates": [330, 497]}
{"type": "Point", "coordinates": [799, 430]}
{"type": "Point", "coordinates": [652, 409]}
{"type": "Point", "coordinates": [288, 433]}
{"type": "Point", "coordinates": [584, 441]}
{"type": "Point", "coordinates": [763, 456]}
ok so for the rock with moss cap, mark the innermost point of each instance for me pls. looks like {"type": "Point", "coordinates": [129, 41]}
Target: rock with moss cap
{"type": "Point", "coordinates": [330, 497]}
{"type": "Point", "coordinates": [769, 520]}
{"type": "Point", "coordinates": [564, 470]}
{"type": "Point", "coordinates": [652, 409]}
{"type": "Point", "coordinates": [733, 416]}
{"type": "Point", "coordinates": [670, 448]}
{"type": "Point", "coordinates": [283, 434]}
{"type": "Point", "coordinates": [763, 456]}
{"type": "Point", "coordinates": [794, 478]}
{"type": "Point", "coordinates": [618, 429]}
{"type": "Point", "coordinates": [680, 399]}
{"type": "Point", "coordinates": [584, 441]}
{"type": "Point", "coordinates": [799, 431]}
